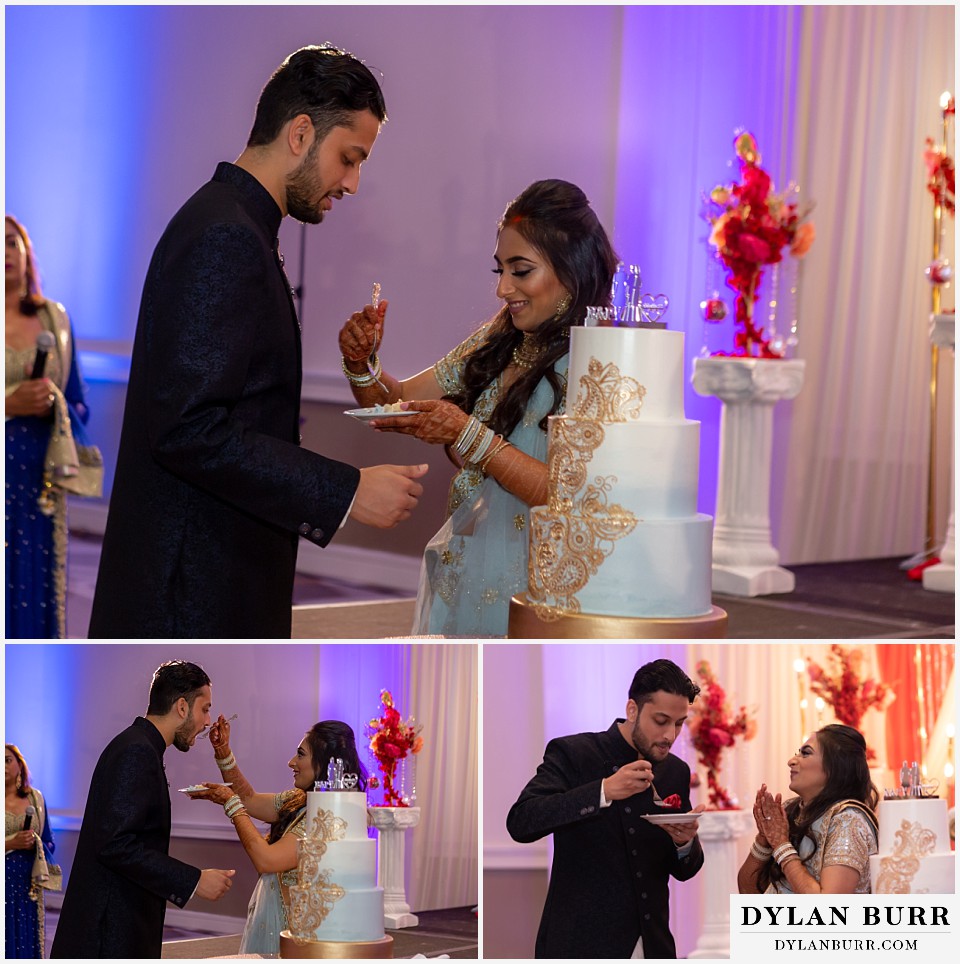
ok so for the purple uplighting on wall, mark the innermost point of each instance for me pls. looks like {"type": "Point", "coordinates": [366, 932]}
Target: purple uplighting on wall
{"type": "Point", "coordinates": [690, 76]}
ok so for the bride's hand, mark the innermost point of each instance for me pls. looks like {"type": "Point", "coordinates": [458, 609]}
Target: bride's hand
{"type": "Point", "coordinates": [775, 820]}
{"type": "Point", "coordinates": [441, 422]}
{"type": "Point", "coordinates": [759, 818]}
{"type": "Point", "coordinates": [362, 333]}
{"type": "Point", "coordinates": [220, 736]}
{"type": "Point", "coordinates": [215, 792]}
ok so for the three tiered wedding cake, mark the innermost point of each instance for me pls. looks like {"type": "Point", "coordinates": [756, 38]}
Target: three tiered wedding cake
{"type": "Point", "coordinates": [336, 902]}
{"type": "Point", "coordinates": [620, 537]}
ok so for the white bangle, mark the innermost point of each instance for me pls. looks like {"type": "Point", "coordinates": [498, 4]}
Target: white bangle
{"type": "Point", "coordinates": [763, 854]}
{"type": "Point", "coordinates": [227, 763]}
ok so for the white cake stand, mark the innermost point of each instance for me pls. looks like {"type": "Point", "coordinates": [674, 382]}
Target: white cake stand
{"type": "Point", "coordinates": [745, 562]}
{"type": "Point", "coordinates": [392, 823]}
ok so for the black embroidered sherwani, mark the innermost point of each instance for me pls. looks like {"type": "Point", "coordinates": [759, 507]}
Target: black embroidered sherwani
{"type": "Point", "coordinates": [608, 884]}
{"type": "Point", "coordinates": [122, 875]}
{"type": "Point", "coordinates": [212, 488]}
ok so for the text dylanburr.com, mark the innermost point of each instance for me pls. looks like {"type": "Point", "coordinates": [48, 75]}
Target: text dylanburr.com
{"type": "Point", "coordinates": [826, 926]}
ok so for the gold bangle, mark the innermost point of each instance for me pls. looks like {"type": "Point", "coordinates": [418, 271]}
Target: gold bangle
{"type": "Point", "coordinates": [499, 447]}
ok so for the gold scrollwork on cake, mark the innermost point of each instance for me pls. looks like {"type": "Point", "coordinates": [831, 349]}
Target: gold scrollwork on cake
{"type": "Point", "coordinates": [310, 906]}
{"type": "Point", "coordinates": [569, 543]}
{"type": "Point", "coordinates": [913, 842]}
{"type": "Point", "coordinates": [312, 900]}
{"type": "Point", "coordinates": [327, 827]}
{"type": "Point", "coordinates": [604, 395]}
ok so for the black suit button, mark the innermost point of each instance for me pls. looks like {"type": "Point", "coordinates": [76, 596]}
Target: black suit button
{"type": "Point", "coordinates": [590, 809]}
{"type": "Point", "coordinates": [316, 535]}
{"type": "Point", "coordinates": [646, 917]}
{"type": "Point", "coordinates": [643, 895]}
{"type": "Point", "coordinates": [304, 528]}
{"type": "Point", "coordinates": [626, 810]}
{"type": "Point", "coordinates": [633, 853]}
{"type": "Point", "coordinates": [639, 875]}
{"type": "Point", "coordinates": [614, 769]}
{"type": "Point", "coordinates": [631, 830]}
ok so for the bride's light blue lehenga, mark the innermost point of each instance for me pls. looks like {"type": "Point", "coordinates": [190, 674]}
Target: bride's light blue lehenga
{"type": "Point", "coordinates": [478, 559]}
{"type": "Point", "coordinates": [266, 913]}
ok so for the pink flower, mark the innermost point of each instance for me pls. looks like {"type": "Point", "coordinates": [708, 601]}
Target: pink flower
{"type": "Point", "coordinates": [751, 248]}
{"type": "Point", "coordinates": [720, 737]}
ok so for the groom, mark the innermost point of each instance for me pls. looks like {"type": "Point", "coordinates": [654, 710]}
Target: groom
{"type": "Point", "coordinates": [608, 894]}
{"type": "Point", "coordinates": [122, 875]}
{"type": "Point", "coordinates": [213, 489]}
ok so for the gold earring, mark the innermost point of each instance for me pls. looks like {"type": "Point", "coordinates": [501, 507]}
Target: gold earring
{"type": "Point", "coordinates": [562, 305]}
{"type": "Point", "coordinates": [19, 781]}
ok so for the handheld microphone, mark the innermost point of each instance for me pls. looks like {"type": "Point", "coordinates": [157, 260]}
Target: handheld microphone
{"type": "Point", "coordinates": [28, 818]}
{"type": "Point", "coordinates": [45, 344]}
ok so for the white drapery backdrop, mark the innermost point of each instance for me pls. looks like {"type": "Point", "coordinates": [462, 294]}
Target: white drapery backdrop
{"type": "Point", "coordinates": [850, 480]}
{"type": "Point", "coordinates": [442, 853]}
{"type": "Point", "coordinates": [840, 99]}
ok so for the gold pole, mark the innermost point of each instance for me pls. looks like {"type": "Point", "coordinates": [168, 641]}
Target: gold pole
{"type": "Point", "coordinates": [946, 99]}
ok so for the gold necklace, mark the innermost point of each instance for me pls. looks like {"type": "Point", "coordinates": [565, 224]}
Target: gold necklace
{"type": "Point", "coordinates": [527, 352]}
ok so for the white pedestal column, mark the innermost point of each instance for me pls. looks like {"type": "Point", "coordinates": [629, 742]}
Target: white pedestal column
{"type": "Point", "coordinates": [720, 831]}
{"type": "Point", "coordinates": [745, 562]}
{"type": "Point", "coordinates": [392, 823]}
{"type": "Point", "coordinates": [941, 577]}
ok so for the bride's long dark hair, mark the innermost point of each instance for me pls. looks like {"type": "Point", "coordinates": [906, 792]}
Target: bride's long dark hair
{"type": "Point", "coordinates": [844, 753]}
{"type": "Point", "coordinates": [327, 741]}
{"type": "Point", "coordinates": [555, 217]}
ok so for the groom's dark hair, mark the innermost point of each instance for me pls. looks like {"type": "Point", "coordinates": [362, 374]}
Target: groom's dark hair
{"type": "Point", "coordinates": [327, 84]}
{"type": "Point", "coordinates": [172, 680]}
{"type": "Point", "coordinates": [661, 676]}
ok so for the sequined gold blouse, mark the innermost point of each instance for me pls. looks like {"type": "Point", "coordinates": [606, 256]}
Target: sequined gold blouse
{"type": "Point", "coordinates": [844, 836]}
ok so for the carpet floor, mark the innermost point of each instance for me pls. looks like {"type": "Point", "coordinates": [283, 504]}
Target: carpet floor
{"type": "Point", "coordinates": [868, 599]}
{"type": "Point", "coordinates": [452, 933]}
{"type": "Point", "coordinates": [864, 599]}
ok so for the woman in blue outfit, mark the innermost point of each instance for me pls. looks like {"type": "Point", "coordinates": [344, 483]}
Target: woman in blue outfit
{"type": "Point", "coordinates": [488, 401]}
{"type": "Point", "coordinates": [23, 897]}
{"type": "Point", "coordinates": [46, 450]}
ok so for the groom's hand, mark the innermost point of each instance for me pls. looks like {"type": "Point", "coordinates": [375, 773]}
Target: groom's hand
{"type": "Point", "coordinates": [214, 883]}
{"type": "Point", "coordinates": [387, 494]}
{"type": "Point", "coordinates": [628, 780]}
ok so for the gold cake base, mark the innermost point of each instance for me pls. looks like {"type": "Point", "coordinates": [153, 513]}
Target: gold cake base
{"type": "Point", "coordinates": [524, 623]}
{"type": "Point", "coordinates": [344, 950]}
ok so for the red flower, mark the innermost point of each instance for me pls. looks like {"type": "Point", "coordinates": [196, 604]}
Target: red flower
{"type": "Point", "coordinates": [391, 739]}
{"type": "Point", "coordinates": [843, 690]}
{"type": "Point", "coordinates": [751, 227]}
{"type": "Point", "coordinates": [751, 248]}
{"type": "Point", "coordinates": [713, 728]}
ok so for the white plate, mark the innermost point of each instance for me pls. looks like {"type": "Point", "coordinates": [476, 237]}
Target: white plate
{"type": "Point", "coordinates": [666, 819]}
{"type": "Point", "coordinates": [198, 787]}
{"type": "Point", "coordinates": [365, 414]}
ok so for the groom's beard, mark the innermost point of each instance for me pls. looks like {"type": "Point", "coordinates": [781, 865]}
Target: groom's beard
{"type": "Point", "coordinates": [653, 752]}
{"type": "Point", "coordinates": [183, 734]}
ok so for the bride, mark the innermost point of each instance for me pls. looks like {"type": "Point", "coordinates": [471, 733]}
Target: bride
{"type": "Point", "coordinates": [821, 840]}
{"type": "Point", "coordinates": [275, 856]}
